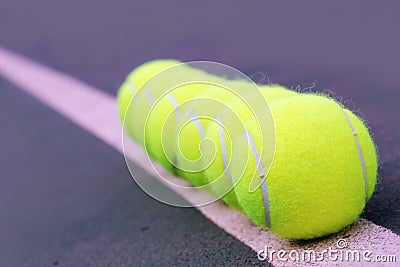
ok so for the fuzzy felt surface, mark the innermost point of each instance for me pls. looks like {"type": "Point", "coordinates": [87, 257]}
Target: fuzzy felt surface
{"type": "Point", "coordinates": [315, 183]}
{"type": "Point", "coordinates": [233, 116]}
{"type": "Point", "coordinates": [134, 82]}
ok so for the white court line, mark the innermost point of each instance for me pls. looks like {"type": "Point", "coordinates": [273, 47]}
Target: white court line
{"type": "Point", "coordinates": [96, 112]}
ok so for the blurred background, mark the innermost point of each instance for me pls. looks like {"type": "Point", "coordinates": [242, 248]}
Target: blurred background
{"type": "Point", "coordinates": [349, 48]}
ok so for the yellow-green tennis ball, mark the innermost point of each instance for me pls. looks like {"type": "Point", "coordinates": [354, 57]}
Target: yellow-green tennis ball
{"type": "Point", "coordinates": [273, 92]}
{"type": "Point", "coordinates": [161, 124]}
{"type": "Point", "coordinates": [323, 172]}
{"type": "Point", "coordinates": [164, 78]}
{"type": "Point", "coordinates": [138, 77]}
{"type": "Point", "coordinates": [198, 114]}
{"type": "Point", "coordinates": [124, 97]}
{"type": "Point", "coordinates": [219, 168]}
{"type": "Point", "coordinates": [184, 138]}
{"type": "Point", "coordinates": [141, 74]}
{"type": "Point", "coordinates": [134, 82]}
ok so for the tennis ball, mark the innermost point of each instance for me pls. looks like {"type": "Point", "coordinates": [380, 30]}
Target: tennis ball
{"type": "Point", "coordinates": [272, 92]}
{"type": "Point", "coordinates": [134, 82]}
{"type": "Point", "coordinates": [138, 77]}
{"type": "Point", "coordinates": [141, 74]}
{"type": "Point", "coordinates": [161, 124]}
{"type": "Point", "coordinates": [175, 131]}
{"type": "Point", "coordinates": [323, 171]}
{"type": "Point", "coordinates": [155, 88]}
{"type": "Point", "coordinates": [124, 97]}
{"type": "Point", "coordinates": [243, 109]}
{"type": "Point", "coordinates": [162, 95]}
{"type": "Point", "coordinates": [199, 113]}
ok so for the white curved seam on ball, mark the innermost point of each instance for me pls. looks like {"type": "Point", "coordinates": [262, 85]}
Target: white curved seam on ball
{"type": "Point", "coordinates": [360, 154]}
{"type": "Point", "coordinates": [222, 145]}
{"type": "Point", "coordinates": [149, 96]}
{"type": "Point", "coordinates": [264, 186]}
{"type": "Point", "coordinates": [175, 104]}
{"type": "Point", "coordinates": [196, 122]}
{"type": "Point", "coordinates": [131, 86]}
{"type": "Point", "coordinates": [133, 90]}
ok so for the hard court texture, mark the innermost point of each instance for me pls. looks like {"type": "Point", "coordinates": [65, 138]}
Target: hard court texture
{"type": "Point", "coordinates": [74, 203]}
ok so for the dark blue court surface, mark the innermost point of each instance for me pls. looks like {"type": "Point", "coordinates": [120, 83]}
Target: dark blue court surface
{"type": "Point", "coordinates": [66, 198]}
